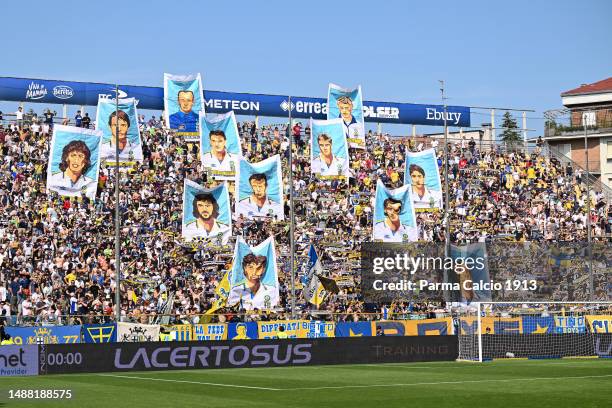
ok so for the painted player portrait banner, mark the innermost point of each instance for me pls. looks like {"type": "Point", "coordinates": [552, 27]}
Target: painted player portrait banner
{"type": "Point", "coordinates": [394, 216]}
{"type": "Point", "coordinates": [74, 161]}
{"type": "Point", "coordinates": [347, 104]}
{"type": "Point", "coordinates": [254, 276]}
{"type": "Point", "coordinates": [125, 133]}
{"type": "Point", "coordinates": [329, 156]}
{"type": "Point", "coordinates": [260, 189]}
{"type": "Point", "coordinates": [220, 145]}
{"type": "Point", "coordinates": [423, 175]}
{"type": "Point", "coordinates": [183, 104]}
{"type": "Point", "coordinates": [206, 213]}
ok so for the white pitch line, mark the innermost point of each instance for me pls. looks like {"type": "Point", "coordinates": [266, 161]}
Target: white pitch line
{"type": "Point", "coordinates": [191, 382]}
{"type": "Point", "coordinates": [445, 382]}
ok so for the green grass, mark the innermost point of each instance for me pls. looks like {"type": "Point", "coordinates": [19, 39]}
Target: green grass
{"type": "Point", "coordinates": [507, 383]}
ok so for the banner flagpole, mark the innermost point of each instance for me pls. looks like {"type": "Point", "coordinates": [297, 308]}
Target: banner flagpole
{"type": "Point", "coordinates": [117, 222]}
{"type": "Point", "coordinates": [291, 215]}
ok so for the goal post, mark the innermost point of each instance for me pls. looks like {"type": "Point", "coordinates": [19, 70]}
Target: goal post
{"type": "Point", "coordinates": [534, 330]}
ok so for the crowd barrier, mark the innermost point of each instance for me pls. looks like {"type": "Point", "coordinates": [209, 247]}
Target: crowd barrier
{"type": "Point", "coordinates": [135, 332]}
{"type": "Point", "coordinates": [118, 357]}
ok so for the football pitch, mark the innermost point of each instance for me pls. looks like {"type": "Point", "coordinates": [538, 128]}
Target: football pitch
{"type": "Point", "coordinates": [506, 383]}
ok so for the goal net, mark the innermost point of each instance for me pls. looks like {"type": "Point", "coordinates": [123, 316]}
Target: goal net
{"type": "Point", "coordinates": [489, 331]}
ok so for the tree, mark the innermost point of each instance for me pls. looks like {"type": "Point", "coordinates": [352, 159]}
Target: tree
{"type": "Point", "coordinates": [510, 135]}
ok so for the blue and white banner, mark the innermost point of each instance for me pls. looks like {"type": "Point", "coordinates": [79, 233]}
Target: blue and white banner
{"type": "Point", "coordinates": [87, 93]}
{"type": "Point", "coordinates": [74, 161]}
{"type": "Point", "coordinates": [45, 334]}
{"type": "Point", "coordinates": [242, 331]}
{"type": "Point", "coordinates": [99, 333]}
{"type": "Point", "coordinates": [347, 104]}
{"type": "Point", "coordinates": [394, 216]}
{"type": "Point", "coordinates": [260, 189]}
{"type": "Point", "coordinates": [254, 276]}
{"type": "Point", "coordinates": [329, 156]}
{"type": "Point", "coordinates": [313, 289]}
{"type": "Point", "coordinates": [206, 213]}
{"type": "Point", "coordinates": [183, 103]}
{"type": "Point", "coordinates": [130, 145]}
{"type": "Point", "coordinates": [220, 145]}
{"type": "Point", "coordinates": [423, 175]}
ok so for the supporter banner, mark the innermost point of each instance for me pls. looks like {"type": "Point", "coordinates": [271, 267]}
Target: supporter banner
{"type": "Point", "coordinates": [491, 325]}
{"type": "Point", "coordinates": [329, 157]}
{"type": "Point", "coordinates": [570, 324]}
{"type": "Point", "coordinates": [354, 329]}
{"type": "Point", "coordinates": [74, 161]}
{"type": "Point", "coordinates": [347, 104]}
{"type": "Point", "coordinates": [99, 333]}
{"type": "Point", "coordinates": [430, 327]}
{"type": "Point", "coordinates": [87, 93]}
{"type": "Point", "coordinates": [471, 272]}
{"type": "Point", "coordinates": [130, 145]}
{"type": "Point", "coordinates": [242, 331]}
{"type": "Point", "coordinates": [394, 216]}
{"type": "Point", "coordinates": [183, 103]}
{"type": "Point", "coordinates": [178, 332]}
{"type": "Point", "coordinates": [123, 357]}
{"type": "Point", "coordinates": [221, 292]}
{"type": "Point", "coordinates": [600, 324]}
{"type": "Point", "coordinates": [260, 189]}
{"type": "Point", "coordinates": [220, 145]}
{"type": "Point", "coordinates": [44, 335]}
{"type": "Point", "coordinates": [206, 213]}
{"type": "Point", "coordinates": [136, 332]}
{"type": "Point", "coordinates": [18, 361]}
{"type": "Point", "coordinates": [538, 325]}
{"type": "Point", "coordinates": [254, 276]}
{"type": "Point", "coordinates": [423, 175]}
{"type": "Point", "coordinates": [211, 331]}
{"type": "Point", "coordinates": [313, 289]}
{"type": "Point", "coordinates": [300, 329]}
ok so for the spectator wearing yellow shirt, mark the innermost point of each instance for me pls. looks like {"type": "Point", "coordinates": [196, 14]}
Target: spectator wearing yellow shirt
{"type": "Point", "coordinates": [70, 278]}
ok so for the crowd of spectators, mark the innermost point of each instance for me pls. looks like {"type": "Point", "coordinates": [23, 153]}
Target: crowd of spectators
{"type": "Point", "coordinates": [57, 254]}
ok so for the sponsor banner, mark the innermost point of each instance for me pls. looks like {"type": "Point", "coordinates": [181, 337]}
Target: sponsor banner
{"type": "Point", "coordinates": [87, 93]}
{"type": "Point", "coordinates": [18, 360]}
{"type": "Point", "coordinates": [347, 104]}
{"type": "Point", "coordinates": [45, 334]}
{"type": "Point", "coordinates": [136, 332]}
{"type": "Point", "coordinates": [603, 345]}
{"type": "Point", "coordinates": [301, 329]}
{"type": "Point", "coordinates": [329, 157]}
{"type": "Point", "coordinates": [244, 354]}
{"type": "Point", "coordinates": [99, 333]}
{"type": "Point", "coordinates": [570, 324]}
{"type": "Point", "coordinates": [206, 213]}
{"type": "Point", "coordinates": [178, 332]}
{"type": "Point", "coordinates": [211, 331]}
{"type": "Point", "coordinates": [254, 276]}
{"type": "Point", "coordinates": [260, 189]}
{"type": "Point", "coordinates": [183, 104]}
{"type": "Point", "coordinates": [220, 145]}
{"type": "Point", "coordinates": [600, 324]}
{"type": "Point", "coordinates": [242, 331]}
{"type": "Point", "coordinates": [423, 176]}
{"type": "Point", "coordinates": [354, 329]}
{"type": "Point", "coordinates": [130, 144]}
{"type": "Point", "coordinates": [394, 216]}
{"type": "Point", "coordinates": [74, 161]}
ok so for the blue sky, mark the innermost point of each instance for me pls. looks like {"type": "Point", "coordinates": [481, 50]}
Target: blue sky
{"type": "Point", "coordinates": [519, 54]}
